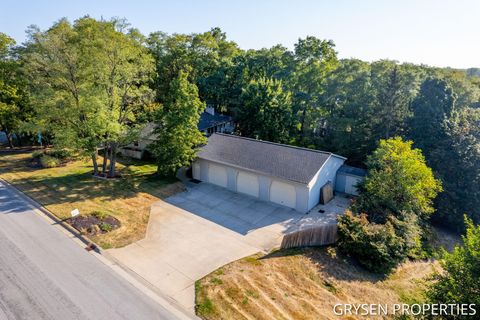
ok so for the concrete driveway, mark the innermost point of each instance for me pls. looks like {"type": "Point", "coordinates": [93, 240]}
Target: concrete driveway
{"type": "Point", "coordinates": [197, 231]}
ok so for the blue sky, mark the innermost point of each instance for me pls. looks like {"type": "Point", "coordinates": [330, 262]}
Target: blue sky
{"type": "Point", "coordinates": [439, 33]}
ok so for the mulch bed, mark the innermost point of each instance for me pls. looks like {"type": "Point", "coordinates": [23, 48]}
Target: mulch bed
{"type": "Point", "coordinates": [34, 163]}
{"type": "Point", "coordinates": [93, 225]}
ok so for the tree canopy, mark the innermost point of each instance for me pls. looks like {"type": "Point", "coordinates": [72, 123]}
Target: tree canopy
{"type": "Point", "coordinates": [398, 180]}
{"type": "Point", "coordinates": [93, 84]}
{"type": "Point", "coordinates": [14, 104]}
{"type": "Point", "coordinates": [395, 198]}
{"type": "Point", "coordinates": [266, 111]}
{"type": "Point", "coordinates": [459, 282]}
{"type": "Point", "coordinates": [90, 80]}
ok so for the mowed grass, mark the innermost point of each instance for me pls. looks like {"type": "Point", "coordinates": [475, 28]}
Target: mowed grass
{"type": "Point", "coordinates": [303, 284]}
{"type": "Point", "coordinates": [65, 188]}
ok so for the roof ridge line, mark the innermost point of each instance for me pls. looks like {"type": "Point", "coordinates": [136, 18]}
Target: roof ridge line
{"type": "Point", "coordinates": [278, 144]}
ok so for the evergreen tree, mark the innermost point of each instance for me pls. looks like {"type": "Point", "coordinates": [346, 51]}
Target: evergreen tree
{"type": "Point", "coordinates": [392, 107]}
{"type": "Point", "coordinates": [177, 134]}
{"type": "Point", "coordinates": [431, 108]}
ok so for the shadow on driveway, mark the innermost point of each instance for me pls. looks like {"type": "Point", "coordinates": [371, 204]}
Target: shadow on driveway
{"type": "Point", "coordinates": [237, 212]}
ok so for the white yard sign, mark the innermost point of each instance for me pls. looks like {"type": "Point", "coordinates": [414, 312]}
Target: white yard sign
{"type": "Point", "coordinates": [75, 212]}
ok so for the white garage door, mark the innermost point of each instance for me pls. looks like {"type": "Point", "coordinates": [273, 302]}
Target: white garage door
{"type": "Point", "coordinates": [350, 185]}
{"type": "Point", "coordinates": [283, 193]}
{"type": "Point", "coordinates": [217, 175]}
{"type": "Point", "coordinates": [196, 171]}
{"type": "Point", "coordinates": [247, 183]}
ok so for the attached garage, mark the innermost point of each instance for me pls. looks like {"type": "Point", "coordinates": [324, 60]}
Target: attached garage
{"type": "Point", "coordinates": [247, 183]}
{"type": "Point", "coordinates": [283, 193]}
{"type": "Point", "coordinates": [351, 185]}
{"type": "Point", "coordinates": [217, 175]}
{"type": "Point", "coordinates": [196, 171]}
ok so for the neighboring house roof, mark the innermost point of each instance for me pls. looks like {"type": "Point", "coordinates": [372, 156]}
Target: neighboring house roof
{"type": "Point", "coordinates": [273, 159]}
{"type": "Point", "coordinates": [354, 171]}
{"type": "Point", "coordinates": [147, 132]}
{"type": "Point", "coordinates": [208, 120]}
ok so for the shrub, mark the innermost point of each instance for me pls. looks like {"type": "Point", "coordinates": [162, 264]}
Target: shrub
{"type": "Point", "coordinates": [99, 214]}
{"type": "Point", "coordinates": [37, 154]}
{"type": "Point", "coordinates": [377, 247]}
{"type": "Point", "coordinates": [61, 154]}
{"type": "Point", "coordinates": [49, 162]}
{"type": "Point", "coordinates": [105, 227]}
{"type": "Point", "coordinates": [459, 282]}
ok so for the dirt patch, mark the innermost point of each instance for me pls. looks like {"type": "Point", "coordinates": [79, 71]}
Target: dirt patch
{"type": "Point", "coordinates": [94, 224]}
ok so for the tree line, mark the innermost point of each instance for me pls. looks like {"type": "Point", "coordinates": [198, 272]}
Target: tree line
{"type": "Point", "coordinates": [92, 85]}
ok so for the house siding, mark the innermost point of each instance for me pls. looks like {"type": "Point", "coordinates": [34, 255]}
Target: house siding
{"type": "Point", "coordinates": [346, 183]}
{"type": "Point", "coordinates": [327, 173]}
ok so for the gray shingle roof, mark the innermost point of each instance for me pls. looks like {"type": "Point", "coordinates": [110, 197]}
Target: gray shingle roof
{"type": "Point", "coordinates": [353, 171]}
{"type": "Point", "coordinates": [208, 120]}
{"type": "Point", "coordinates": [272, 159]}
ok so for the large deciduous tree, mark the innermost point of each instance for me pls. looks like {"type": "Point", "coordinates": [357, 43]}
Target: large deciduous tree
{"type": "Point", "coordinates": [349, 101]}
{"type": "Point", "coordinates": [89, 81]}
{"type": "Point", "coordinates": [398, 180]}
{"type": "Point", "coordinates": [314, 60]}
{"type": "Point", "coordinates": [177, 136]}
{"type": "Point", "coordinates": [14, 107]}
{"type": "Point", "coordinates": [204, 56]}
{"type": "Point", "coordinates": [266, 111]}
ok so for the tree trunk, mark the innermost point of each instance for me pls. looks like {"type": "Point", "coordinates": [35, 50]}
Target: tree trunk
{"type": "Point", "coordinates": [113, 160]}
{"type": "Point", "coordinates": [302, 122]}
{"type": "Point", "coordinates": [19, 141]}
{"type": "Point", "coordinates": [105, 157]}
{"type": "Point", "coordinates": [95, 164]}
{"type": "Point", "coordinates": [9, 138]}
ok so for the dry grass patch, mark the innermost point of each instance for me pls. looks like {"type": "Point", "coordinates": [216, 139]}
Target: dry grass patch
{"type": "Point", "coordinates": [65, 188]}
{"type": "Point", "coordinates": [302, 284]}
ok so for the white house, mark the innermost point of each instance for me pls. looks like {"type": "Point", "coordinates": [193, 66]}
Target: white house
{"type": "Point", "coordinates": [287, 175]}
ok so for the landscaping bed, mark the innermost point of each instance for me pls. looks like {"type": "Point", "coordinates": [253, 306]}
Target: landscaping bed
{"type": "Point", "coordinates": [95, 223]}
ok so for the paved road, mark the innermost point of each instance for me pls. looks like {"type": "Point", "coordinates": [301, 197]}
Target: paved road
{"type": "Point", "coordinates": [46, 275]}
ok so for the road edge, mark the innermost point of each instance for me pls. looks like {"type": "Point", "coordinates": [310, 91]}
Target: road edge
{"type": "Point", "coordinates": [123, 271]}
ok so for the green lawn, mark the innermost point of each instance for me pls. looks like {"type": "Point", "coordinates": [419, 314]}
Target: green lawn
{"type": "Point", "coordinates": [65, 188]}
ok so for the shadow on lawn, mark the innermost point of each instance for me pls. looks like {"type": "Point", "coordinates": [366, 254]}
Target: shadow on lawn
{"type": "Point", "coordinates": [11, 164]}
{"type": "Point", "coordinates": [331, 263]}
{"type": "Point", "coordinates": [79, 186]}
